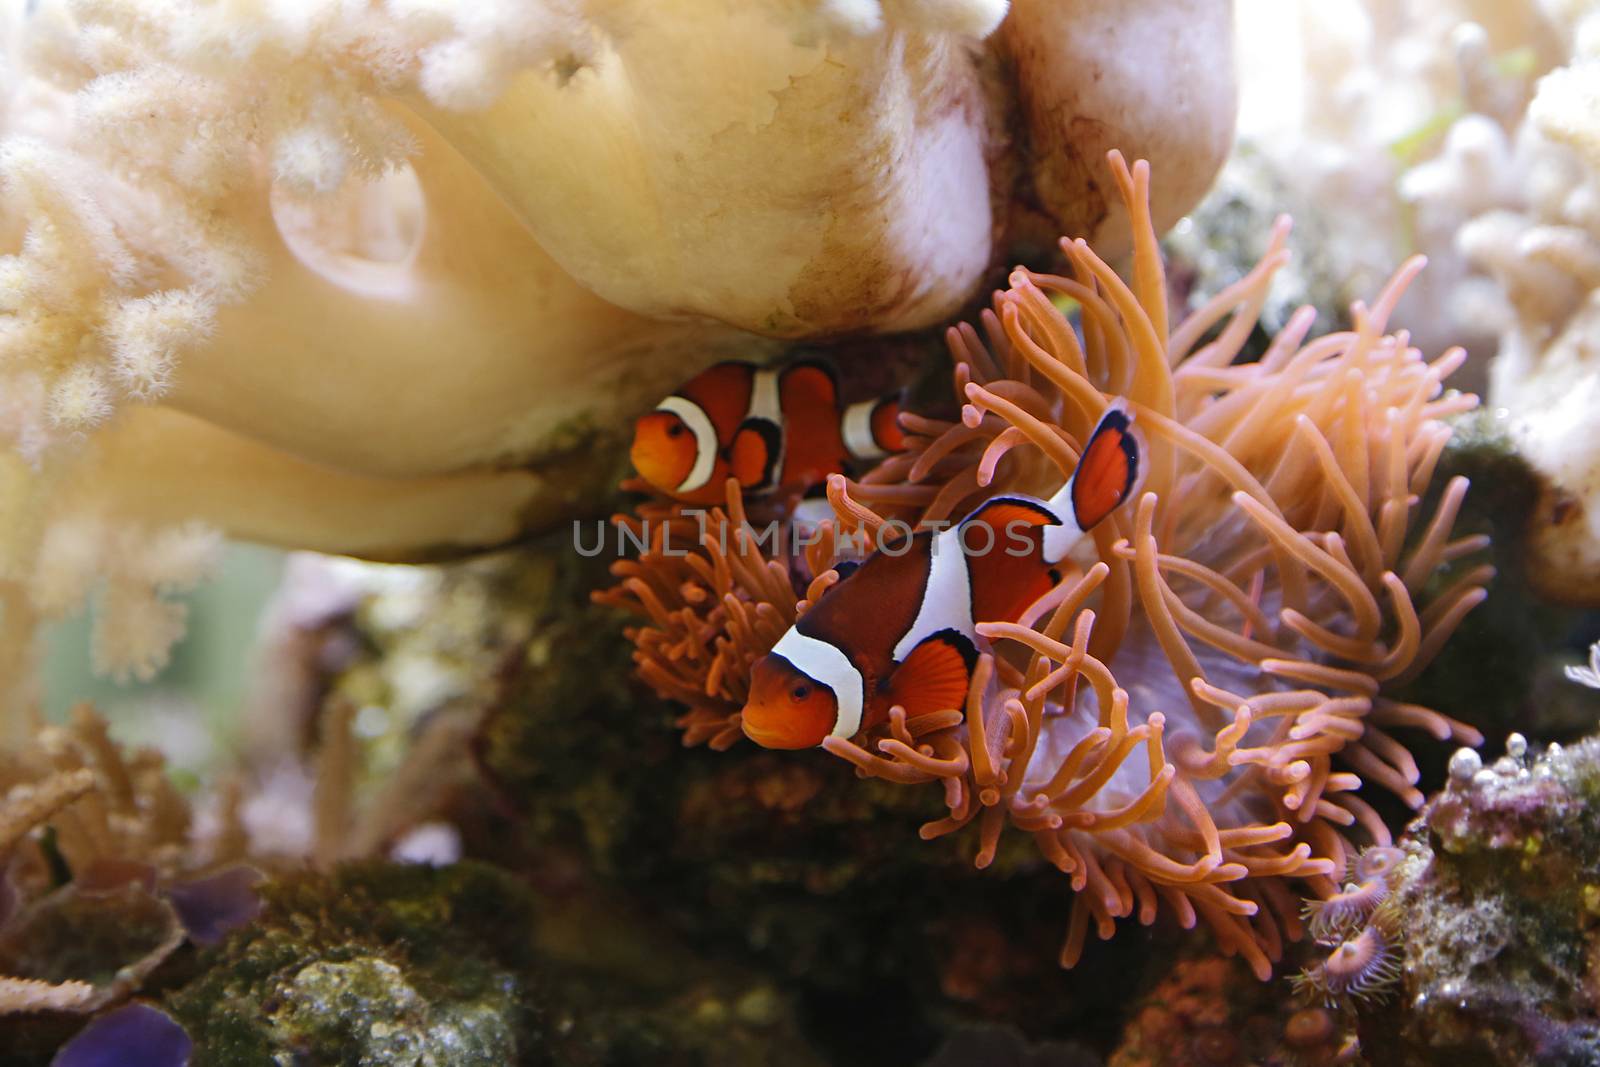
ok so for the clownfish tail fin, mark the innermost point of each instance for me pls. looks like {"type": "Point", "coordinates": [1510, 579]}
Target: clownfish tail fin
{"type": "Point", "coordinates": [1110, 467]}
{"type": "Point", "coordinates": [886, 429]}
{"type": "Point", "coordinates": [871, 428]}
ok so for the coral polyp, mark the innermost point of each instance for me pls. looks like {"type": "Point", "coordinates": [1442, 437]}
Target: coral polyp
{"type": "Point", "coordinates": [1360, 928]}
{"type": "Point", "coordinates": [1363, 966]}
{"type": "Point", "coordinates": [1185, 721]}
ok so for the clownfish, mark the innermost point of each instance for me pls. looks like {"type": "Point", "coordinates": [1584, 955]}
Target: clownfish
{"type": "Point", "coordinates": [767, 427]}
{"type": "Point", "coordinates": [900, 628]}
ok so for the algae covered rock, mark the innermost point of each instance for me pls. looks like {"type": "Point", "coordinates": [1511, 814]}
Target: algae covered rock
{"type": "Point", "coordinates": [383, 964]}
{"type": "Point", "coordinates": [1207, 1010]}
{"type": "Point", "coordinates": [1499, 912]}
{"type": "Point", "coordinates": [373, 965]}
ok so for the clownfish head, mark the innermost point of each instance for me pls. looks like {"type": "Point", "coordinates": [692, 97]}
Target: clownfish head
{"type": "Point", "coordinates": [788, 708]}
{"type": "Point", "coordinates": [664, 449]}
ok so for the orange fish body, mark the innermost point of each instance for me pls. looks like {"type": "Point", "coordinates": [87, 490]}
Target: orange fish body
{"type": "Point", "coordinates": [769, 428]}
{"type": "Point", "coordinates": [900, 629]}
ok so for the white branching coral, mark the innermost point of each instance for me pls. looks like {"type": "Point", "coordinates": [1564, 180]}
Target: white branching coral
{"type": "Point", "coordinates": [1469, 131]}
{"type": "Point", "coordinates": [1394, 120]}
{"type": "Point", "coordinates": [131, 573]}
{"type": "Point", "coordinates": [1542, 249]}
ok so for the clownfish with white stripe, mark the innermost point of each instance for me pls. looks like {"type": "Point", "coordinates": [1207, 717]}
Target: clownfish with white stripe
{"type": "Point", "coordinates": [900, 628]}
{"type": "Point", "coordinates": [770, 428]}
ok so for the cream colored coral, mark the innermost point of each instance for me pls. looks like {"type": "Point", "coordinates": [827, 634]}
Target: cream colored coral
{"type": "Point", "coordinates": [28, 994]}
{"type": "Point", "coordinates": [1097, 76]}
{"type": "Point", "coordinates": [1494, 107]}
{"type": "Point", "coordinates": [594, 198]}
{"type": "Point", "coordinates": [1544, 251]}
{"type": "Point", "coordinates": [26, 806]}
{"type": "Point", "coordinates": [779, 167]}
{"type": "Point", "coordinates": [43, 795]}
{"type": "Point", "coordinates": [107, 807]}
{"type": "Point", "coordinates": [104, 802]}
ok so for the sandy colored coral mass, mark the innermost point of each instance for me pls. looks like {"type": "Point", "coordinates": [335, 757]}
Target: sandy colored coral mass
{"type": "Point", "coordinates": [406, 270]}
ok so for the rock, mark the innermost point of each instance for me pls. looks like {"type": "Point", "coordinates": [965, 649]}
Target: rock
{"type": "Point", "coordinates": [382, 964]}
{"type": "Point", "coordinates": [1498, 902]}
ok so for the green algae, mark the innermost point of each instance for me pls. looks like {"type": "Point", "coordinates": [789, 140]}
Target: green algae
{"type": "Point", "coordinates": [380, 964]}
{"type": "Point", "coordinates": [376, 964]}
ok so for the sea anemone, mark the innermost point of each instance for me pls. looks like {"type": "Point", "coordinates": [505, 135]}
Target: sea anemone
{"type": "Point", "coordinates": [1186, 718]}
{"type": "Point", "coordinates": [714, 604]}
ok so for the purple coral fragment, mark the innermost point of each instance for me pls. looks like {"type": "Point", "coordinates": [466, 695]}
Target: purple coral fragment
{"type": "Point", "coordinates": [135, 1035]}
{"type": "Point", "coordinates": [213, 907]}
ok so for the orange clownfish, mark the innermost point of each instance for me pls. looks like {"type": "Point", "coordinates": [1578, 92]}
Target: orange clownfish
{"type": "Point", "coordinates": [900, 629]}
{"type": "Point", "coordinates": [766, 427]}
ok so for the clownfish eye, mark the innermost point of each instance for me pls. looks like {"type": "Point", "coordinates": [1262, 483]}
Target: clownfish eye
{"type": "Point", "coordinates": [675, 430]}
{"type": "Point", "coordinates": [799, 692]}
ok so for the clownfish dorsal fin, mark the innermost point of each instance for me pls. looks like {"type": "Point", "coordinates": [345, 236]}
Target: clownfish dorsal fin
{"type": "Point", "coordinates": [1111, 465]}
{"type": "Point", "coordinates": [846, 567]}
{"type": "Point", "coordinates": [1002, 512]}
{"type": "Point", "coordinates": [934, 677]}
{"type": "Point", "coordinates": [722, 391]}
{"type": "Point", "coordinates": [754, 454]}
{"type": "Point", "coordinates": [809, 383]}
{"type": "Point", "coordinates": [1006, 564]}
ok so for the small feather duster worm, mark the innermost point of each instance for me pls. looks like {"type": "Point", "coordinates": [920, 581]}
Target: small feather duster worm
{"type": "Point", "coordinates": [1187, 718]}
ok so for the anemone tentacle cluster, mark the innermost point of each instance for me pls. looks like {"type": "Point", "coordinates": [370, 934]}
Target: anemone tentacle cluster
{"type": "Point", "coordinates": [1186, 719]}
{"type": "Point", "coordinates": [713, 611]}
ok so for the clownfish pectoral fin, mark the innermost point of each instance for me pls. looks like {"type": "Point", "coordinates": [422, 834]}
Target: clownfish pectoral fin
{"type": "Point", "coordinates": [1108, 469]}
{"type": "Point", "coordinates": [754, 454]}
{"type": "Point", "coordinates": [1016, 513]}
{"type": "Point", "coordinates": [934, 677]}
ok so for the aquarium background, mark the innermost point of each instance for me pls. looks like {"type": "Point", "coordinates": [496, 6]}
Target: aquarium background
{"type": "Point", "coordinates": [330, 332]}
